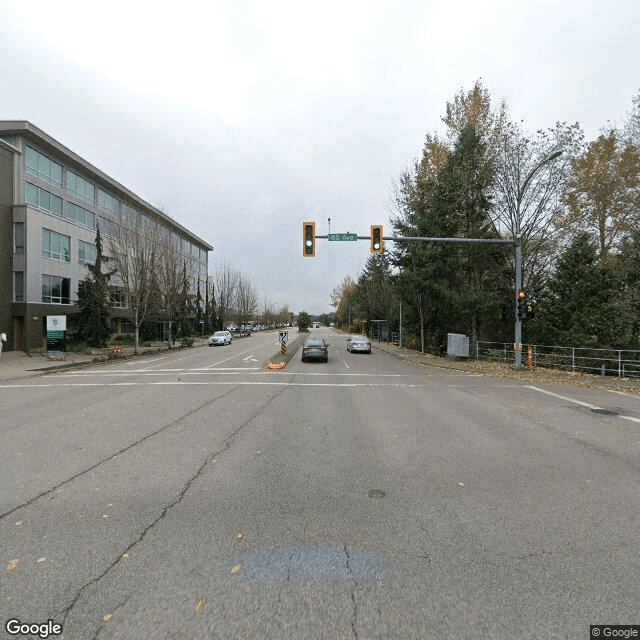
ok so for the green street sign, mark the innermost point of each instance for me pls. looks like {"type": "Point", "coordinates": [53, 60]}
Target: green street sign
{"type": "Point", "coordinates": [352, 237]}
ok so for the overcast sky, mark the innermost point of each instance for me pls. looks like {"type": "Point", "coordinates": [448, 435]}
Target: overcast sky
{"type": "Point", "coordinates": [243, 119]}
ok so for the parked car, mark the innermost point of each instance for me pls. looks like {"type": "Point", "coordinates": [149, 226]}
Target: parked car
{"type": "Point", "coordinates": [315, 349]}
{"type": "Point", "coordinates": [220, 337]}
{"type": "Point", "coordinates": [360, 344]}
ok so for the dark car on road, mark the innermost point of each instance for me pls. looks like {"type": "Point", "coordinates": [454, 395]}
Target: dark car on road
{"type": "Point", "coordinates": [315, 349]}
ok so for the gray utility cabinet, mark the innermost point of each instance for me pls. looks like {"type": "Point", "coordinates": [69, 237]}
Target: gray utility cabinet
{"type": "Point", "coordinates": [457, 345]}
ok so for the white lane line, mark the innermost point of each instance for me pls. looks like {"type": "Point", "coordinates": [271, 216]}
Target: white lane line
{"type": "Point", "coordinates": [255, 383]}
{"type": "Point", "coordinates": [346, 365]}
{"type": "Point", "coordinates": [584, 404]}
{"type": "Point", "coordinates": [237, 355]}
{"type": "Point", "coordinates": [128, 364]}
{"type": "Point", "coordinates": [230, 371]}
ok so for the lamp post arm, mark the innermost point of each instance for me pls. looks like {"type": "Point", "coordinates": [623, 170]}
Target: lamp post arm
{"type": "Point", "coordinates": [544, 161]}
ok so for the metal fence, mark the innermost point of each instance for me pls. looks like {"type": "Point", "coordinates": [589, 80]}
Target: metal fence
{"type": "Point", "coordinates": [623, 363]}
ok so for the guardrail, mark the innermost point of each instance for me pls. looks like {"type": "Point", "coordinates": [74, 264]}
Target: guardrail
{"type": "Point", "coordinates": [623, 363]}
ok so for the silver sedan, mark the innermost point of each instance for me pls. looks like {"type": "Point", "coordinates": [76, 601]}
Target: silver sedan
{"type": "Point", "coordinates": [360, 344]}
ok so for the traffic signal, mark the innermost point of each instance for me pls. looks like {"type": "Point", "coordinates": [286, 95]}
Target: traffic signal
{"type": "Point", "coordinates": [522, 305]}
{"type": "Point", "coordinates": [377, 240]}
{"type": "Point", "coordinates": [308, 239]}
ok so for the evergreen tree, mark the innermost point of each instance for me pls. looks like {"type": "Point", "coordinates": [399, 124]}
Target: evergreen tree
{"type": "Point", "coordinates": [584, 303]}
{"type": "Point", "coordinates": [453, 287]}
{"type": "Point", "coordinates": [93, 301]}
{"type": "Point", "coordinates": [199, 311]}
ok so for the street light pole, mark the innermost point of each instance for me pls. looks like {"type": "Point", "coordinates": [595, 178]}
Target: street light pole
{"type": "Point", "coordinates": [518, 242]}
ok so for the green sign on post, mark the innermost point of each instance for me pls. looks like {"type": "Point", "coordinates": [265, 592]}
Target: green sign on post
{"type": "Point", "coordinates": [351, 237]}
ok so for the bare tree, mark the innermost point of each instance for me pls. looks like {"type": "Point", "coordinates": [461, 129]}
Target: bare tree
{"type": "Point", "coordinates": [135, 258]}
{"type": "Point", "coordinates": [169, 274]}
{"type": "Point", "coordinates": [226, 285]}
{"type": "Point", "coordinates": [528, 193]}
{"type": "Point", "coordinates": [247, 299]}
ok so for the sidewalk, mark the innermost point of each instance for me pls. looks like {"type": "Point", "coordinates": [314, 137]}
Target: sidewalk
{"type": "Point", "coordinates": [17, 364]}
{"type": "Point", "coordinates": [506, 371]}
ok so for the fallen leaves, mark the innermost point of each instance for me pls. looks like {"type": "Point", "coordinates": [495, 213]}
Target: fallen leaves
{"type": "Point", "coordinates": [200, 604]}
{"type": "Point", "coordinates": [13, 564]}
{"type": "Point", "coordinates": [236, 568]}
{"type": "Point", "coordinates": [240, 535]}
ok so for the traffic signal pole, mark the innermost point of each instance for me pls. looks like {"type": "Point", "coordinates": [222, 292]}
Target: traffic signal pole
{"type": "Point", "coordinates": [517, 346]}
{"type": "Point", "coordinates": [518, 269]}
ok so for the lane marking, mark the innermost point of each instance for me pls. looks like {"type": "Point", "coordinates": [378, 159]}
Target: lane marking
{"type": "Point", "coordinates": [584, 404]}
{"type": "Point", "coordinates": [237, 355]}
{"type": "Point", "coordinates": [213, 383]}
{"type": "Point", "coordinates": [231, 371]}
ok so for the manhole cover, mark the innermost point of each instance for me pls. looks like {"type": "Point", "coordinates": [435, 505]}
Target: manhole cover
{"type": "Point", "coordinates": [376, 493]}
{"type": "Point", "coordinates": [604, 412]}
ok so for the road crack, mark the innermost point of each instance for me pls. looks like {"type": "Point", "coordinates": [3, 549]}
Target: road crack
{"type": "Point", "coordinates": [119, 558]}
{"type": "Point", "coordinates": [354, 615]}
{"type": "Point", "coordinates": [117, 453]}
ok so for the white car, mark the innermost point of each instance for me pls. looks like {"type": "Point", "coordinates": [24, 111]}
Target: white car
{"type": "Point", "coordinates": [220, 337]}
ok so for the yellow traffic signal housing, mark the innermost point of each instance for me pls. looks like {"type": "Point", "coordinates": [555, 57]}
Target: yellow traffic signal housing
{"type": "Point", "coordinates": [308, 239]}
{"type": "Point", "coordinates": [377, 239]}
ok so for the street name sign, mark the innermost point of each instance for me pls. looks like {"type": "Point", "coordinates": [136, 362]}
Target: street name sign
{"type": "Point", "coordinates": [343, 236]}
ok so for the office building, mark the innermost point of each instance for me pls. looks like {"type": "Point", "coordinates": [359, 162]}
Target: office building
{"type": "Point", "coordinates": [51, 201]}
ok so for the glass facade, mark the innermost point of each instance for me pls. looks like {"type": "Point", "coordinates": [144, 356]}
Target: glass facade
{"type": "Point", "coordinates": [80, 188]}
{"type": "Point", "coordinates": [55, 289]}
{"type": "Point", "coordinates": [56, 246]}
{"type": "Point", "coordinates": [18, 237]}
{"type": "Point", "coordinates": [42, 167]}
{"type": "Point", "coordinates": [86, 252]}
{"type": "Point", "coordinates": [18, 286]}
{"type": "Point", "coordinates": [81, 216]}
{"type": "Point", "coordinates": [108, 203]}
{"type": "Point", "coordinates": [44, 200]}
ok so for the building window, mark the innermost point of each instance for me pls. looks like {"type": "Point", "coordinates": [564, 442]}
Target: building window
{"type": "Point", "coordinates": [109, 228]}
{"type": "Point", "coordinates": [18, 286]}
{"type": "Point", "coordinates": [18, 237]}
{"type": "Point", "coordinates": [108, 203]}
{"type": "Point", "coordinates": [86, 252]}
{"type": "Point", "coordinates": [120, 326]}
{"type": "Point", "coordinates": [44, 200]}
{"type": "Point", "coordinates": [80, 188]}
{"type": "Point", "coordinates": [81, 216]}
{"type": "Point", "coordinates": [118, 298]}
{"type": "Point", "coordinates": [56, 246]}
{"type": "Point", "coordinates": [55, 289]}
{"type": "Point", "coordinates": [40, 166]}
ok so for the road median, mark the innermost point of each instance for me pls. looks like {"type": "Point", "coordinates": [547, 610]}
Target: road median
{"type": "Point", "coordinates": [279, 361]}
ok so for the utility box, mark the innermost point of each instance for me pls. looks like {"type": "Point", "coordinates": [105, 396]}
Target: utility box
{"type": "Point", "coordinates": [457, 345]}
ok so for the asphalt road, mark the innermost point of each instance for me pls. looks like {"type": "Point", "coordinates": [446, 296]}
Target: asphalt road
{"type": "Point", "coordinates": [196, 495]}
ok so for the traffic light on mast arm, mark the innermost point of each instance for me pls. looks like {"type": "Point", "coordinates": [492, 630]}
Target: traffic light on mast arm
{"type": "Point", "coordinates": [522, 305]}
{"type": "Point", "coordinates": [308, 239]}
{"type": "Point", "coordinates": [377, 239]}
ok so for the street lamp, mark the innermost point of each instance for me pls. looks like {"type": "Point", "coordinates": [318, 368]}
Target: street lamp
{"type": "Point", "coordinates": [518, 283]}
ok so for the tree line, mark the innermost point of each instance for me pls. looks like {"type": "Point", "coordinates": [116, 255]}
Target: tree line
{"type": "Point", "coordinates": [575, 204]}
{"type": "Point", "coordinates": [143, 273]}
